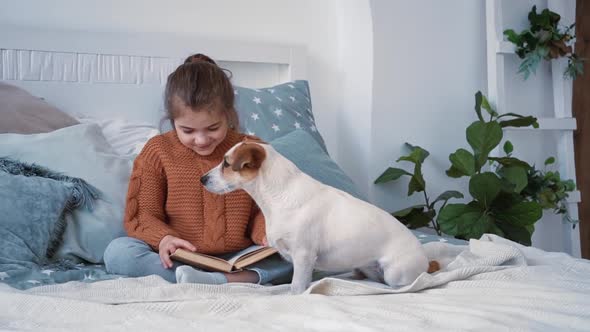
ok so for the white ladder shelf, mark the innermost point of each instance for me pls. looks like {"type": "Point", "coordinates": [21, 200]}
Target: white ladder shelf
{"type": "Point", "coordinates": [563, 122]}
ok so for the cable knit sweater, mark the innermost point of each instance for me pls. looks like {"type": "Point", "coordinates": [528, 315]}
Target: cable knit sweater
{"type": "Point", "coordinates": [165, 197]}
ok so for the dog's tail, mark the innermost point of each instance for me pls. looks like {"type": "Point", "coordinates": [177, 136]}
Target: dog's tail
{"type": "Point", "coordinates": [433, 266]}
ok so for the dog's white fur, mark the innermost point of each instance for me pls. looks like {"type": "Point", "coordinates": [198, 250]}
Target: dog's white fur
{"type": "Point", "coordinates": [317, 226]}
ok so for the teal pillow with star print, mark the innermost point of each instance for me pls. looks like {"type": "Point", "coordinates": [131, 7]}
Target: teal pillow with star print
{"type": "Point", "coordinates": [273, 112]}
{"type": "Point", "coordinates": [306, 153]}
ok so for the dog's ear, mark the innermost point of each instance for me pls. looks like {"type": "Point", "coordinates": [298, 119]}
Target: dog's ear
{"type": "Point", "coordinates": [253, 139]}
{"type": "Point", "coordinates": [248, 156]}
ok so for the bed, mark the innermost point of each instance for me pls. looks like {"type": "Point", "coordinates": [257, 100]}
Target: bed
{"type": "Point", "coordinates": [98, 100]}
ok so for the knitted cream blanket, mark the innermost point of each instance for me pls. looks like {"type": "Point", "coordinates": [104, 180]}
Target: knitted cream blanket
{"type": "Point", "coordinates": [491, 284]}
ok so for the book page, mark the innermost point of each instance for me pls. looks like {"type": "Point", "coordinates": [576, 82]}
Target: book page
{"type": "Point", "coordinates": [232, 263]}
{"type": "Point", "coordinates": [244, 252]}
{"type": "Point", "coordinates": [203, 261]}
{"type": "Point", "coordinates": [255, 256]}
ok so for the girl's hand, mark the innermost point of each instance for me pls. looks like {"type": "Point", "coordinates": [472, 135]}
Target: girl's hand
{"type": "Point", "coordinates": [168, 245]}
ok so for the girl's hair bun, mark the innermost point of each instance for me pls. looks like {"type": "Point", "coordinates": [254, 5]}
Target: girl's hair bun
{"type": "Point", "coordinates": [198, 58]}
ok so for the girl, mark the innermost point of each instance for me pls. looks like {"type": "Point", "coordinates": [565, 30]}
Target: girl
{"type": "Point", "coordinates": [167, 206]}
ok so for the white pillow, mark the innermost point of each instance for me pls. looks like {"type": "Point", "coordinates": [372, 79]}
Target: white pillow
{"type": "Point", "coordinates": [126, 138]}
{"type": "Point", "coordinates": [80, 151]}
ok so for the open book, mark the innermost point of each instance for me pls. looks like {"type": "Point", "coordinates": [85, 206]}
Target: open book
{"type": "Point", "coordinates": [236, 262]}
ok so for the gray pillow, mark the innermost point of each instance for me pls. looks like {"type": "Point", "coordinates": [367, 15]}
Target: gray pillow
{"type": "Point", "coordinates": [32, 222]}
{"type": "Point", "coordinates": [80, 151]}
{"type": "Point", "coordinates": [23, 113]}
{"type": "Point", "coordinates": [306, 153]}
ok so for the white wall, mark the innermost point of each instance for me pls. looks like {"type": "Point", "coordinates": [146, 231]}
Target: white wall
{"type": "Point", "coordinates": [254, 20]}
{"type": "Point", "coordinates": [350, 86]}
{"type": "Point", "coordinates": [429, 60]}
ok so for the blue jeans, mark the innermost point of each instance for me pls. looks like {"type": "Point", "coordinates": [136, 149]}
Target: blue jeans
{"type": "Point", "coordinates": [135, 258]}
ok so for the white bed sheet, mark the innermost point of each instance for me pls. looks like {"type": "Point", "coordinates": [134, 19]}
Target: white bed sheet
{"type": "Point", "coordinates": [492, 284]}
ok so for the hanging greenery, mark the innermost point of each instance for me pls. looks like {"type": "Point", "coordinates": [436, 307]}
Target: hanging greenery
{"type": "Point", "coordinates": [545, 41]}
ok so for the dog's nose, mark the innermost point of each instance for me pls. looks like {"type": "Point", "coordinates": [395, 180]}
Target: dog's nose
{"type": "Point", "coordinates": [204, 179]}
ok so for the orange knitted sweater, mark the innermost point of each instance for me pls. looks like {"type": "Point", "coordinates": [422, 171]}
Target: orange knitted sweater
{"type": "Point", "coordinates": [165, 197]}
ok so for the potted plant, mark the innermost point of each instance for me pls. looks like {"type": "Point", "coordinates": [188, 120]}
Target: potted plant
{"type": "Point", "coordinates": [508, 195]}
{"type": "Point", "coordinates": [544, 40]}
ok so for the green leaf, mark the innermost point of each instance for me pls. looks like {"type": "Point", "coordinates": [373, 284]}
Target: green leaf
{"type": "Point", "coordinates": [515, 175]}
{"type": "Point", "coordinates": [512, 36]}
{"type": "Point", "coordinates": [417, 154]}
{"type": "Point", "coordinates": [530, 40]}
{"type": "Point", "coordinates": [510, 161]}
{"type": "Point", "coordinates": [446, 196]}
{"type": "Point", "coordinates": [531, 60]}
{"type": "Point", "coordinates": [477, 227]}
{"type": "Point", "coordinates": [518, 234]}
{"type": "Point", "coordinates": [506, 200]}
{"type": "Point", "coordinates": [511, 114]}
{"type": "Point", "coordinates": [521, 214]}
{"type": "Point", "coordinates": [486, 105]}
{"type": "Point", "coordinates": [417, 183]}
{"type": "Point", "coordinates": [546, 198]}
{"type": "Point", "coordinates": [454, 172]}
{"type": "Point", "coordinates": [570, 185]}
{"type": "Point", "coordinates": [391, 174]}
{"type": "Point", "coordinates": [508, 147]}
{"type": "Point", "coordinates": [520, 122]}
{"type": "Point", "coordinates": [463, 161]}
{"type": "Point", "coordinates": [575, 67]}
{"type": "Point", "coordinates": [496, 230]}
{"type": "Point", "coordinates": [468, 221]}
{"type": "Point", "coordinates": [406, 211]}
{"type": "Point", "coordinates": [549, 161]}
{"type": "Point", "coordinates": [483, 138]}
{"type": "Point", "coordinates": [417, 218]}
{"type": "Point", "coordinates": [478, 99]}
{"type": "Point", "coordinates": [448, 217]}
{"type": "Point", "coordinates": [484, 187]}
{"type": "Point", "coordinates": [530, 228]}
{"type": "Point", "coordinates": [507, 186]}
{"type": "Point", "coordinates": [552, 176]}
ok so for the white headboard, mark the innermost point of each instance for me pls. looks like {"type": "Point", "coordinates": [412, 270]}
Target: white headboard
{"type": "Point", "coordinates": [112, 75]}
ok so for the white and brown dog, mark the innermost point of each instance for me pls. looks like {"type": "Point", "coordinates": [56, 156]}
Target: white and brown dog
{"type": "Point", "coordinates": [317, 226]}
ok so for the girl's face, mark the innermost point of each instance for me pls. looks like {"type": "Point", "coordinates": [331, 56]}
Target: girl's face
{"type": "Point", "coordinates": [201, 130]}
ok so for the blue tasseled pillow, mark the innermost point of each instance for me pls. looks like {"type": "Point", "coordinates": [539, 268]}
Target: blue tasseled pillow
{"type": "Point", "coordinates": [33, 203]}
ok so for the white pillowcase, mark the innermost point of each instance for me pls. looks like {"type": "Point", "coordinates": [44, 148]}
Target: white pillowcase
{"type": "Point", "coordinates": [126, 138]}
{"type": "Point", "coordinates": [80, 151]}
